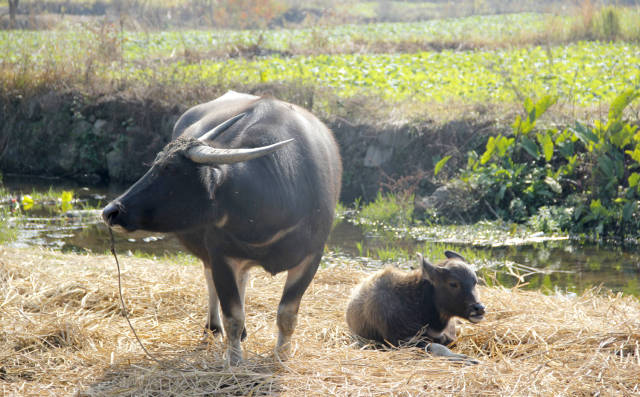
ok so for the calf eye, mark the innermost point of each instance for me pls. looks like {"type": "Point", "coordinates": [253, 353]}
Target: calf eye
{"type": "Point", "coordinates": [453, 284]}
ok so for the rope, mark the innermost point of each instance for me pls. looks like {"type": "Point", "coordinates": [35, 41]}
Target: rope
{"type": "Point", "coordinates": [124, 307]}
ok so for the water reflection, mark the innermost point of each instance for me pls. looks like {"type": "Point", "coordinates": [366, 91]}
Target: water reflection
{"type": "Point", "coordinates": [565, 266]}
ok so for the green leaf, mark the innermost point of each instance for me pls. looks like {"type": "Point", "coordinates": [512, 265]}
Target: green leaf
{"type": "Point", "coordinates": [543, 104]}
{"type": "Point", "coordinates": [585, 135]}
{"type": "Point", "coordinates": [547, 145]}
{"type": "Point", "coordinates": [634, 179]}
{"type": "Point", "coordinates": [553, 184]}
{"type": "Point", "coordinates": [491, 147]}
{"type": "Point", "coordinates": [530, 146]}
{"type": "Point", "coordinates": [635, 154]}
{"type": "Point", "coordinates": [502, 144]}
{"type": "Point", "coordinates": [440, 164]}
{"type": "Point", "coordinates": [628, 209]}
{"type": "Point", "coordinates": [621, 102]}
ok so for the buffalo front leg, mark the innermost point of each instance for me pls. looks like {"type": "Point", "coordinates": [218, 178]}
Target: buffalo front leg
{"type": "Point", "coordinates": [298, 279]}
{"type": "Point", "coordinates": [232, 310]}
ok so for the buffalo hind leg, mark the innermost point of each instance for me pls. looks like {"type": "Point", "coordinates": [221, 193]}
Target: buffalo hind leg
{"type": "Point", "coordinates": [213, 318]}
{"type": "Point", "coordinates": [298, 279]}
{"type": "Point", "coordinates": [242, 276]}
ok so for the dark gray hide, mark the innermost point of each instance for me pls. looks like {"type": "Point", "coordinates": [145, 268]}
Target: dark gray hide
{"type": "Point", "coordinates": [393, 306]}
{"type": "Point", "coordinates": [274, 211]}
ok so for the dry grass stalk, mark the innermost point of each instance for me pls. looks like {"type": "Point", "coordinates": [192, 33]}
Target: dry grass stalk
{"type": "Point", "coordinates": [61, 332]}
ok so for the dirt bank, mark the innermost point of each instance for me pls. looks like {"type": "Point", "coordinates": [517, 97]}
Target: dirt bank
{"type": "Point", "coordinates": [61, 333]}
{"type": "Point", "coordinates": [114, 137]}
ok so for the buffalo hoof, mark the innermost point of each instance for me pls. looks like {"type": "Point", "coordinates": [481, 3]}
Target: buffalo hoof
{"type": "Point", "coordinates": [283, 352]}
{"type": "Point", "coordinates": [234, 356]}
{"type": "Point", "coordinates": [217, 330]}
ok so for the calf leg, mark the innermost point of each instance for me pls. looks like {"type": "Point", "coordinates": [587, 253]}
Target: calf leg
{"type": "Point", "coordinates": [298, 279]}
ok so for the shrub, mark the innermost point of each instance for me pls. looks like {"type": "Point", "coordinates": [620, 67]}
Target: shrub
{"type": "Point", "coordinates": [589, 172]}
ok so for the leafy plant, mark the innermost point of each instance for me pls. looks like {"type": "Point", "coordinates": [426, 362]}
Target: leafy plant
{"type": "Point", "coordinates": [587, 178]}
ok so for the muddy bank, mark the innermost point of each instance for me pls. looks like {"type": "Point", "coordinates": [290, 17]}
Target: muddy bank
{"type": "Point", "coordinates": [113, 138]}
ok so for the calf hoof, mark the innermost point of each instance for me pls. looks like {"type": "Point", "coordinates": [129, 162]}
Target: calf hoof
{"type": "Point", "coordinates": [439, 350]}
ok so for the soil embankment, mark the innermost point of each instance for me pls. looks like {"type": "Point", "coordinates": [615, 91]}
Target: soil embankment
{"type": "Point", "coordinates": [62, 333]}
{"type": "Point", "coordinates": [113, 138]}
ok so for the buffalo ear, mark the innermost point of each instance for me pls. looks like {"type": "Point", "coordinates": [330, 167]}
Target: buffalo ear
{"type": "Point", "coordinates": [429, 271]}
{"type": "Point", "coordinates": [212, 177]}
{"type": "Point", "coordinates": [454, 255]}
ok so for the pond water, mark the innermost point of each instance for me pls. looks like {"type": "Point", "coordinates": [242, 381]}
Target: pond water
{"type": "Point", "coordinates": [564, 265]}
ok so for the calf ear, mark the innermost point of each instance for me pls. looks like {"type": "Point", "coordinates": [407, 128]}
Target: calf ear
{"type": "Point", "coordinates": [454, 255]}
{"type": "Point", "coordinates": [429, 271]}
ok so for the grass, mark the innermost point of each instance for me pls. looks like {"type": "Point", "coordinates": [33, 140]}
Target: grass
{"type": "Point", "coordinates": [62, 333]}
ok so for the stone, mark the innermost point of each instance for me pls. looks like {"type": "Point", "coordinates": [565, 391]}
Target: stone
{"type": "Point", "coordinates": [116, 165]}
{"type": "Point", "coordinates": [376, 155]}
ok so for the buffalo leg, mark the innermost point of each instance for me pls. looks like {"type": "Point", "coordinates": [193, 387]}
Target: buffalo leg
{"type": "Point", "coordinates": [242, 276]}
{"type": "Point", "coordinates": [298, 279]}
{"type": "Point", "coordinates": [213, 318]}
{"type": "Point", "coordinates": [232, 310]}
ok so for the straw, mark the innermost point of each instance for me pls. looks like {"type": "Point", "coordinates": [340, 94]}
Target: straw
{"type": "Point", "coordinates": [62, 332]}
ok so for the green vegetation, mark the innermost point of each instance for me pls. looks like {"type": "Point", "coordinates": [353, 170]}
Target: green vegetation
{"type": "Point", "coordinates": [583, 73]}
{"type": "Point", "coordinates": [582, 179]}
{"type": "Point", "coordinates": [388, 210]}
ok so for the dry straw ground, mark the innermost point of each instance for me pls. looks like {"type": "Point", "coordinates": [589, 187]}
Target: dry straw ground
{"type": "Point", "coordinates": [62, 333]}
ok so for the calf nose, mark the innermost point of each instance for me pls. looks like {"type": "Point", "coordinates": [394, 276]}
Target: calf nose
{"type": "Point", "coordinates": [110, 213]}
{"type": "Point", "coordinates": [478, 308]}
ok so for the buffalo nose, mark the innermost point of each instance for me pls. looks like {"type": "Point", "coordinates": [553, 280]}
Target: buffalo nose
{"type": "Point", "coordinates": [110, 213]}
{"type": "Point", "coordinates": [478, 308]}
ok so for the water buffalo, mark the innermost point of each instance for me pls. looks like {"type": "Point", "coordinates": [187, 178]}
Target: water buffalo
{"type": "Point", "coordinates": [246, 181]}
{"type": "Point", "coordinates": [393, 306]}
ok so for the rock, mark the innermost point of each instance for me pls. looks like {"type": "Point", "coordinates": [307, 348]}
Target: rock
{"type": "Point", "coordinates": [67, 156]}
{"type": "Point", "coordinates": [80, 128]}
{"type": "Point", "coordinates": [116, 165]}
{"type": "Point", "coordinates": [100, 127]}
{"type": "Point", "coordinates": [34, 110]}
{"type": "Point", "coordinates": [376, 155]}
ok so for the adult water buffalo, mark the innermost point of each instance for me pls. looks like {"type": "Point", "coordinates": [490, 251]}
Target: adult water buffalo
{"type": "Point", "coordinates": [246, 181]}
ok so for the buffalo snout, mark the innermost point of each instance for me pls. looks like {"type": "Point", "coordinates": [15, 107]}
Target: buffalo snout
{"type": "Point", "coordinates": [111, 213]}
{"type": "Point", "coordinates": [476, 313]}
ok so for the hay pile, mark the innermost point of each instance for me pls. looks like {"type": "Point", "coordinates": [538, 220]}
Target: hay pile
{"type": "Point", "coordinates": [62, 332]}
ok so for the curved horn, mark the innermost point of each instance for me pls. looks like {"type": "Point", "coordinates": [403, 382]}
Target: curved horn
{"type": "Point", "coordinates": [204, 154]}
{"type": "Point", "coordinates": [220, 128]}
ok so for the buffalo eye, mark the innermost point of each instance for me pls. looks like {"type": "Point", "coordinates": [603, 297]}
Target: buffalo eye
{"type": "Point", "coordinates": [453, 284]}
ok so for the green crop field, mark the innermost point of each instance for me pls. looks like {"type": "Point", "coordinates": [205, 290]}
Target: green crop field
{"type": "Point", "coordinates": [588, 73]}
{"type": "Point", "coordinates": [583, 73]}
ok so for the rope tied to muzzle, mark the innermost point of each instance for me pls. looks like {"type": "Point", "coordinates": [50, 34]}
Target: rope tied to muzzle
{"type": "Point", "coordinates": [125, 312]}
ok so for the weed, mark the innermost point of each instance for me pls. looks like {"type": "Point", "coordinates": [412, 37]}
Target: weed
{"type": "Point", "coordinates": [388, 209]}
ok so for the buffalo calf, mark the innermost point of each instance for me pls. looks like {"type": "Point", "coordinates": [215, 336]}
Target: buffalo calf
{"type": "Point", "coordinates": [394, 306]}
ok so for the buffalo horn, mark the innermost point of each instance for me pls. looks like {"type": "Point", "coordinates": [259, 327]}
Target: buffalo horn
{"type": "Point", "coordinates": [204, 154]}
{"type": "Point", "coordinates": [220, 128]}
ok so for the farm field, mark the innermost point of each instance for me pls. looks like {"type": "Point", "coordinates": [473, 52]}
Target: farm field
{"type": "Point", "coordinates": [583, 73]}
